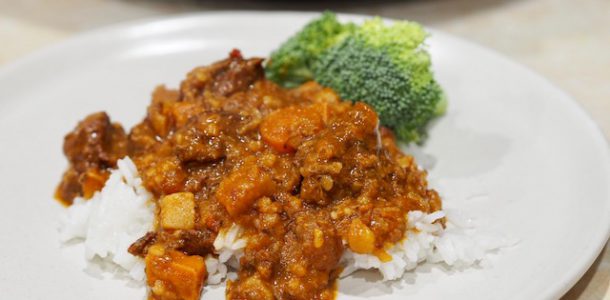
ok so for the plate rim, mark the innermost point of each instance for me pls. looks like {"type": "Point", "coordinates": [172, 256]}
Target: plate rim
{"type": "Point", "coordinates": [574, 272]}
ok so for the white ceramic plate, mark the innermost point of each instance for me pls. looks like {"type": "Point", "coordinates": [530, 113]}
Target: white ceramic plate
{"type": "Point", "coordinates": [538, 166]}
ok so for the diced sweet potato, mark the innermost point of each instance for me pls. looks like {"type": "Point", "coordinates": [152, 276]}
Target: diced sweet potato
{"type": "Point", "coordinates": [177, 211]}
{"type": "Point", "coordinates": [284, 129]}
{"type": "Point", "coordinates": [172, 275]}
{"type": "Point", "coordinates": [238, 191]}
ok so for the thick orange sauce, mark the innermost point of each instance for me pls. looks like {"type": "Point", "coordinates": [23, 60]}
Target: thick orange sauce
{"type": "Point", "coordinates": [306, 175]}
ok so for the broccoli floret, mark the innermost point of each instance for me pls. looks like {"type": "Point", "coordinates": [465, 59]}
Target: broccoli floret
{"type": "Point", "coordinates": [387, 67]}
{"type": "Point", "coordinates": [292, 64]}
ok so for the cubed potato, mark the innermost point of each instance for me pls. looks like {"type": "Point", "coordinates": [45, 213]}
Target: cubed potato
{"type": "Point", "coordinates": [177, 211]}
{"type": "Point", "coordinates": [238, 191]}
{"type": "Point", "coordinates": [171, 274]}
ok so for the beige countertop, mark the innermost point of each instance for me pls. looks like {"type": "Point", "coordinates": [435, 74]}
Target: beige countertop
{"type": "Point", "coordinates": [567, 41]}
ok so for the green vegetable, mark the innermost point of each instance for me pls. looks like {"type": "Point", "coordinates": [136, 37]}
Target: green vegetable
{"type": "Point", "coordinates": [292, 64]}
{"type": "Point", "coordinates": [385, 66]}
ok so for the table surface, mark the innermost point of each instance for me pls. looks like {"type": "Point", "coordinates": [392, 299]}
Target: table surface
{"type": "Point", "coordinates": [566, 41]}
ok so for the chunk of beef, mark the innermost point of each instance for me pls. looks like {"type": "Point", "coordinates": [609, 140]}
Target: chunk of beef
{"type": "Point", "coordinates": [223, 78]}
{"type": "Point", "coordinates": [191, 242]}
{"type": "Point", "coordinates": [201, 139]}
{"type": "Point", "coordinates": [92, 148]}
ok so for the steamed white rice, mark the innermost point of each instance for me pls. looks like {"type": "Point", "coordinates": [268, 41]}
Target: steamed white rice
{"type": "Point", "coordinates": [111, 220]}
{"type": "Point", "coordinates": [122, 212]}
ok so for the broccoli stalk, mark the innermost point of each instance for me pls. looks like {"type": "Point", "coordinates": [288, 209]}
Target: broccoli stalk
{"type": "Point", "coordinates": [385, 66]}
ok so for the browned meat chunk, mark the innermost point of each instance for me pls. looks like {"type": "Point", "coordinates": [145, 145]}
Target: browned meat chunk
{"type": "Point", "coordinates": [223, 78]}
{"type": "Point", "coordinates": [92, 148]}
{"type": "Point", "coordinates": [191, 242]}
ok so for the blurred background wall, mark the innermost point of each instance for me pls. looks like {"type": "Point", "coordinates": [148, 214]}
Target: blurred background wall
{"type": "Point", "coordinates": [567, 41]}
